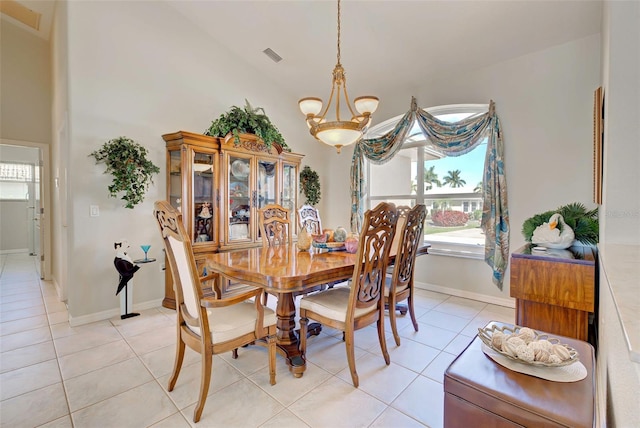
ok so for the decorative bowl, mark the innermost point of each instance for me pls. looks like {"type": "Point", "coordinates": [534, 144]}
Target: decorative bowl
{"type": "Point", "coordinates": [486, 335]}
{"type": "Point", "coordinates": [331, 246]}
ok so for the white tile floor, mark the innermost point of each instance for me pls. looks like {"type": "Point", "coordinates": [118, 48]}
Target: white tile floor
{"type": "Point", "coordinates": [114, 373]}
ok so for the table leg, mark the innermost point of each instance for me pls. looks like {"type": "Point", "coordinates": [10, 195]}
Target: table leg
{"type": "Point", "coordinates": [288, 344]}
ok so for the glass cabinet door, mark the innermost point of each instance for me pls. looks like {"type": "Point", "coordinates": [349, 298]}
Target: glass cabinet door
{"type": "Point", "coordinates": [175, 179]}
{"type": "Point", "coordinates": [266, 185]}
{"type": "Point", "coordinates": [239, 198]}
{"type": "Point", "coordinates": [289, 193]}
{"type": "Point", "coordinates": [203, 179]}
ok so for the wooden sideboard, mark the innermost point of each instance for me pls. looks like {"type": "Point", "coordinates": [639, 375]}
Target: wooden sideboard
{"type": "Point", "coordinates": [555, 290]}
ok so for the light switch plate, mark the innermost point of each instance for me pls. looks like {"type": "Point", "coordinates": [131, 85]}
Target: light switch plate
{"type": "Point", "coordinates": [94, 211]}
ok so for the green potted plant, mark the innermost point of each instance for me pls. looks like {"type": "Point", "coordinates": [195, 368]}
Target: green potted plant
{"type": "Point", "coordinates": [310, 185]}
{"type": "Point", "coordinates": [132, 172]}
{"type": "Point", "coordinates": [584, 223]}
{"type": "Point", "coordinates": [247, 120]}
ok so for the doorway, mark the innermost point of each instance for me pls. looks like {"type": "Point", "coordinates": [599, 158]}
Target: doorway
{"type": "Point", "coordinates": [26, 200]}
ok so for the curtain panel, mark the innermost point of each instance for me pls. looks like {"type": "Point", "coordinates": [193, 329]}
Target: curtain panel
{"type": "Point", "coordinates": [453, 139]}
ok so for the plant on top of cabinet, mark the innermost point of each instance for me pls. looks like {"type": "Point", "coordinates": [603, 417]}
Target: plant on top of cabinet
{"type": "Point", "coordinates": [310, 185]}
{"type": "Point", "coordinates": [247, 120]}
{"type": "Point", "coordinates": [132, 172]}
{"type": "Point", "coordinates": [584, 223]}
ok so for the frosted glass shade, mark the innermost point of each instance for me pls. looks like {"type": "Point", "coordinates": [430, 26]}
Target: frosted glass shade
{"type": "Point", "coordinates": [310, 105]}
{"type": "Point", "coordinates": [338, 136]}
{"type": "Point", "coordinates": [366, 104]}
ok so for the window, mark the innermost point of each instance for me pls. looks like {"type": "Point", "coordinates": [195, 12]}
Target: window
{"type": "Point", "coordinates": [15, 179]}
{"type": "Point", "coordinates": [450, 187]}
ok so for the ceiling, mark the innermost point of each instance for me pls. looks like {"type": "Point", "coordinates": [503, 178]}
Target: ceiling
{"type": "Point", "coordinates": [386, 45]}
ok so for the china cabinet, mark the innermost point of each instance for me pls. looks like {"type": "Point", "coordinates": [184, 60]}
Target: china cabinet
{"type": "Point", "coordinates": [219, 186]}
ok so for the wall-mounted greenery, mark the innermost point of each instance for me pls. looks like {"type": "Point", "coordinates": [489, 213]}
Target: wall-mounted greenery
{"type": "Point", "coordinates": [132, 172]}
{"type": "Point", "coordinates": [584, 223]}
{"type": "Point", "coordinates": [247, 120]}
{"type": "Point", "coordinates": [310, 185]}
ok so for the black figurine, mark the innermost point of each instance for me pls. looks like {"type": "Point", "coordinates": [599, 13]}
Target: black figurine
{"type": "Point", "coordinates": [123, 264]}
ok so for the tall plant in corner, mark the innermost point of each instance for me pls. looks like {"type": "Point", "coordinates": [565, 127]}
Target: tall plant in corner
{"type": "Point", "coordinates": [310, 185]}
{"type": "Point", "coordinates": [132, 172]}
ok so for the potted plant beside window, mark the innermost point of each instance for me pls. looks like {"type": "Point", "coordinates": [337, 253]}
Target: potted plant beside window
{"type": "Point", "coordinates": [132, 172]}
{"type": "Point", "coordinates": [247, 120]}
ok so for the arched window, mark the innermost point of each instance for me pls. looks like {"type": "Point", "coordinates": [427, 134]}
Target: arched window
{"type": "Point", "coordinates": [450, 187]}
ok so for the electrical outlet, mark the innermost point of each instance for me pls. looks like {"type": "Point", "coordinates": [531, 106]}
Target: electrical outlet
{"type": "Point", "coordinates": [94, 210]}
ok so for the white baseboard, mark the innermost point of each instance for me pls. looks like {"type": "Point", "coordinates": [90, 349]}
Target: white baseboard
{"type": "Point", "coordinates": [108, 314]}
{"type": "Point", "coordinates": [58, 290]}
{"type": "Point", "coordinates": [16, 251]}
{"type": "Point", "coordinates": [500, 301]}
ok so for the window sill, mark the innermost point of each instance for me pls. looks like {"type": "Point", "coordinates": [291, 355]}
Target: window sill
{"type": "Point", "coordinates": [466, 251]}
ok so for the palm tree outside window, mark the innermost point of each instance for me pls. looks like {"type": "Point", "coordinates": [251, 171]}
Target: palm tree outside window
{"type": "Point", "coordinates": [447, 185]}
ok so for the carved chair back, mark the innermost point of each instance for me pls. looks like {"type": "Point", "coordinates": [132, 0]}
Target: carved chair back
{"type": "Point", "coordinates": [310, 219]}
{"type": "Point", "coordinates": [186, 281]}
{"type": "Point", "coordinates": [275, 225]}
{"type": "Point", "coordinates": [368, 281]}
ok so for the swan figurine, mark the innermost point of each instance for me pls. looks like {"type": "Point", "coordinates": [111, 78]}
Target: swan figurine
{"type": "Point", "coordinates": [549, 235]}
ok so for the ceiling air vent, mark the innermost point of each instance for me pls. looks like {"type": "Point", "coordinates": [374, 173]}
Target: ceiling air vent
{"type": "Point", "coordinates": [21, 13]}
{"type": "Point", "coordinates": [271, 54]}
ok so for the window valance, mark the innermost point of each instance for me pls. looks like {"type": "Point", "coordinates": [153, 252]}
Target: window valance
{"type": "Point", "coordinates": [453, 139]}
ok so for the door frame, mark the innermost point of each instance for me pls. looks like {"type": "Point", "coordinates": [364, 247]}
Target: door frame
{"type": "Point", "coordinates": [45, 195]}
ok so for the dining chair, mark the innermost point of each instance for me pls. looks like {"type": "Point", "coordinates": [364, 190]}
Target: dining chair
{"type": "Point", "coordinates": [399, 285]}
{"type": "Point", "coordinates": [275, 225]}
{"type": "Point", "coordinates": [309, 217]}
{"type": "Point", "coordinates": [209, 325]}
{"type": "Point", "coordinates": [351, 308]}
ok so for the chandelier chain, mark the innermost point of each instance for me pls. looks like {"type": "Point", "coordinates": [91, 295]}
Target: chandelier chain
{"type": "Point", "coordinates": [333, 130]}
{"type": "Point", "coordinates": [338, 31]}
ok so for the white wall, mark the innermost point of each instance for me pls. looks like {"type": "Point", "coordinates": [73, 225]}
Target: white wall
{"type": "Point", "coordinates": [619, 376]}
{"type": "Point", "coordinates": [13, 226]}
{"type": "Point", "coordinates": [620, 211]}
{"type": "Point", "coordinates": [151, 74]}
{"type": "Point", "coordinates": [25, 79]}
{"type": "Point", "coordinates": [60, 151]}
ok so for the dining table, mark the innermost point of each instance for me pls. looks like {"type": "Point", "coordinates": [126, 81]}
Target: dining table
{"type": "Point", "coordinates": [283, 270]}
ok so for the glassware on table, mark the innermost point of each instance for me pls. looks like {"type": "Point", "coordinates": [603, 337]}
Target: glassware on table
{"type": "Point", "coordinates": [145, 248]}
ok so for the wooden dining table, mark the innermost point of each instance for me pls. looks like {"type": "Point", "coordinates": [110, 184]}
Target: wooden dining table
{"type": "Point", "coordinates": [283, 270]}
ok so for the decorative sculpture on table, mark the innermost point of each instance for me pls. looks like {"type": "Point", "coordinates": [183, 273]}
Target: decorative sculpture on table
{"type": "Point", "coordinates": [553, 234]}
{"type": "Point", "coordinates": [126, 268]}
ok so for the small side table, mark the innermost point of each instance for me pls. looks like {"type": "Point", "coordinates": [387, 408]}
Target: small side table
{"type": "Point", "coordinates": [481, 393]}
{"type": "Point", "coordinates": [126, 298]}
{"type": "Point", "coordinates": [555, 290]}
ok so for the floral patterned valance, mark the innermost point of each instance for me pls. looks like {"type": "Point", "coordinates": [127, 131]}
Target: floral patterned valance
{"type": "Point", "coordinates": [453, 139]}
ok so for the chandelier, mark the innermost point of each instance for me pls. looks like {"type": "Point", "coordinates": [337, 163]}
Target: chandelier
{"type": "Point", "coordinates": [334, 131]}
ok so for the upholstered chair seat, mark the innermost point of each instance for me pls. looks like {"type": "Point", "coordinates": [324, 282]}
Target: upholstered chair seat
{"type": "Point", "coordinates": [332, 304]}
{"type": "Point", "coordinates": [229, 322]}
